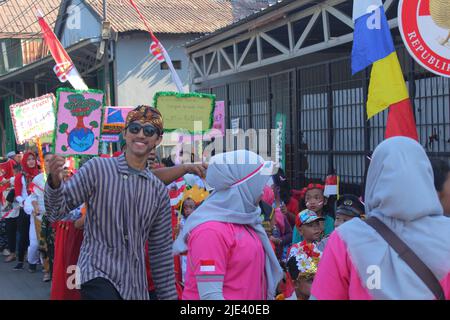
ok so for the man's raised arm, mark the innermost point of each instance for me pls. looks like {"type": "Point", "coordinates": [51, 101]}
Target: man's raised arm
{"type": "Point", "coordinates": [62, 197]}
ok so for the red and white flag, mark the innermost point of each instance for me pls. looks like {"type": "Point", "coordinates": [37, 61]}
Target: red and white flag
{"type": "Point", "coordinates": [64, 68]}
{"type": "Point", "coordinates": [159, 52]}
{"type": "Point", "coordinates": [207, 266]}
{"type": "Point", "coordinates": [331, 185]}
{"type": "Point", "coordinates": [155, 49]}
{"type": "Point", "coordinates": [177, 192]}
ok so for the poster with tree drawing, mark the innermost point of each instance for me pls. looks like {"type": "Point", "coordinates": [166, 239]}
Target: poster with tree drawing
{"type": "Point", "coordinates": [78, 122]}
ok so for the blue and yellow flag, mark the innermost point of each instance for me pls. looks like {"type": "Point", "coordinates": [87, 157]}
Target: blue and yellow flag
{"type": "Point", "coordinates": [373, 45]}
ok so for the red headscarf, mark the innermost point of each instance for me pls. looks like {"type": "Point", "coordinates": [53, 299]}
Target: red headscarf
{"type": "Point", "coordinates": [27, 172]}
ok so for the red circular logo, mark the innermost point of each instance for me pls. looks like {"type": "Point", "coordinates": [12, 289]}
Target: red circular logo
{"type": "Point", "coordinates": [425, 29]}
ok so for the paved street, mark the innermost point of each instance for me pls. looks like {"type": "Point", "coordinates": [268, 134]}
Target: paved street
{"type": "Point", "coordinates": [22, 285]}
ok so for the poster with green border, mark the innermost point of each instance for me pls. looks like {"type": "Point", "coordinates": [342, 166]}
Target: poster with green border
{"type": "Point", "coordinates": [79, 116]}
{"type": "Point", "coordinates": [189, 112]}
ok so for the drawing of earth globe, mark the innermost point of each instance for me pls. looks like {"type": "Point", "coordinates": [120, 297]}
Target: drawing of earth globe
{"type": "Point", "coordinates": [81, 139]}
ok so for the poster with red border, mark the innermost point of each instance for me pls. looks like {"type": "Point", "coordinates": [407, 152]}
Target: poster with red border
{"type": "Point", "coordinates": [425, 28]}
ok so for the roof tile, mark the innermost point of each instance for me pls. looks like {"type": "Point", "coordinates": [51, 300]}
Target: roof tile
{"type": "Point", "coordinates": [168, 16]}
{"type": "Point", "coordinates": [18, 20]}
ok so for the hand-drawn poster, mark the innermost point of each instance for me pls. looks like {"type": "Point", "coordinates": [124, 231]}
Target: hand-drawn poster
{"type": "Point", "coordinates": [191, 112]}
{"type": "Point", "coordinates": [114, 119]}
{"type": "Point", "coordinates": [78, 121]}
{"type": "Point", "coordinates": [33, 118]}
{"type": "Point", "coordinates": [218, 129]}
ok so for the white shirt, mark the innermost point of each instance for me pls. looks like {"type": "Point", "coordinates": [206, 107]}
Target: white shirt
{"type": "Point", "coordinates": [36, 195]}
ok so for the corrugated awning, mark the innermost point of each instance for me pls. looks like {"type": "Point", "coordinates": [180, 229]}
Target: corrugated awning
{"type": "Point", "coordinates": [82, 53]}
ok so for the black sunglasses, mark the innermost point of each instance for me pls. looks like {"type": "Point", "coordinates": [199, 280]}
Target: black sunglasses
{"type": "Point", "coordinates": [149, 130]}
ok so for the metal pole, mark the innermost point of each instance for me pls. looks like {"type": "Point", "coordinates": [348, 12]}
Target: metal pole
{"type": "Point", "coordinates": [106, 84]}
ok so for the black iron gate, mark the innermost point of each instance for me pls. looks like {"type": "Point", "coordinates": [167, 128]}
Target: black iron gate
{"type": "Point", "coordinates": [327, 129]}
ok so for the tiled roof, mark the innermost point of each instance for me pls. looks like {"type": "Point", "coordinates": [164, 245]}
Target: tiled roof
{"type": "Point", "coordinates": [18, 20]}
{"type": "Point", "coordinates": [167, 16]}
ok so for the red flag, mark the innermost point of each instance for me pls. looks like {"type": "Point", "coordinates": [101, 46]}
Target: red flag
{"type": "Point", "coordinates": [401, 121]}
{"type": "Point", "coordinates": [6, 172]}
{"type": "Point", "coordinates": [6, 169]}
{"type": "Point", "coordinates": [64, 68]}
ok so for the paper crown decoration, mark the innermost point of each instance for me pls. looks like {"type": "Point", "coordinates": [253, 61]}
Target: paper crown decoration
{"type": "Point", "coordinates": [195, 193]}
{"type": "Point", "coordinates": [307, 257]}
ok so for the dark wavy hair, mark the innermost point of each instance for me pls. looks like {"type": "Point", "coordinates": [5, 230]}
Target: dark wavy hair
{"type": "Point", "coordinates": [282, 184]}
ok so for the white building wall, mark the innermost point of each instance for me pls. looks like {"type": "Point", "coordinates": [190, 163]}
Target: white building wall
{"type": "Point", "coordinates": [139, 75]}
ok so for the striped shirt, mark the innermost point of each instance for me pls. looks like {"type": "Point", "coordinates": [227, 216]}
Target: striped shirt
{"type": "Point", "coordinates": [125, 210]}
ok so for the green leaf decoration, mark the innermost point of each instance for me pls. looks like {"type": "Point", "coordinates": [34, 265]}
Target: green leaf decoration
{"type": "Point", "coordinates": [79, 106]}
{"type": "Point", "coordinates": [64, 148]}
{"type": "Point", "coordinates": [63, 128]}
{"type": "Point", "coordinates": [93, 124]}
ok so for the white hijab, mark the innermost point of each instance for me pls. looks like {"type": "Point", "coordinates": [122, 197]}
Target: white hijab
{"type": "Point", "coordinates": [235, 203]}
{"type": "Point", "coordinates": [400, 192]}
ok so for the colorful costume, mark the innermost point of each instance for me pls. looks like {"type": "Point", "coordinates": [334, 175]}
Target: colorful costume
{"type": "Point", "coordinates": [302, 265]}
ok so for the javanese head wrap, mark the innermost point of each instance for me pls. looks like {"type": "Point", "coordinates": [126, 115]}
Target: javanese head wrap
{"type": "Point", "coordinates": [146, 114]}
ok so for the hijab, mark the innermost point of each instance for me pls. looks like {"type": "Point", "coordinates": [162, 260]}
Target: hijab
{"type": "Point", "coordinates": [27, 172]}
{"type": "Point", "coordinates": [400, 192]}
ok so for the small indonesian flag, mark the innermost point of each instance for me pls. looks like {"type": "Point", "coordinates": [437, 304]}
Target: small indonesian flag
{"type": "Point", "coordinates": [156, 50]}
{"type": "Point", "coordinates": [207, 266]}
{"type": "Point", "coordinates": [331, 186]}
{"type": "Point", "coordinates": [177, 195]}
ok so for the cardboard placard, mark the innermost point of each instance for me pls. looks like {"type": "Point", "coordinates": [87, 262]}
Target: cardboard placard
{"type": "Point", "coordinates": [78, 121]}
{"type": "Point", "coordinates": [33, 118]}
{"type": "Point", "coordinates": [114, 119]}
{"type": "Point", "coordinates": [191, 112]}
